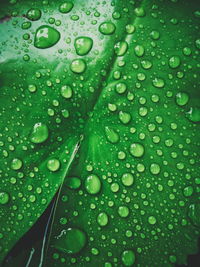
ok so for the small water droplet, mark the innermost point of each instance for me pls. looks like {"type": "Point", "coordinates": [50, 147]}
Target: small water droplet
{"type": "Point", "coordinates": [120, 88]}
{"type": "Point", "coordinates": [154, 168]}
{"type": "Point", "coordinates": [194, 214]}
{"type": "Point", "coordinates": [139, 50]}
{"type": "Point", "coordinates": [193, 115]}
{"type": "Point", "coordinates": [182, 98]}
{"type": "Point", "coordinates": [123, 211]}
{"type": "Point", "coordinates": [158, 82]}
{"type": "Point", "coordinates": [127, 179]}
{"type": "Point", "coordinates": [73, 182]}
{"type": "Point", "coordinates": [188, 191]}
{"type": "Point", "coordinates": [174, 62]}
{"type": "Point", "coordinates": [66, 91]}
{"type": "Point", "coordinates": [152, 220]}
{"type": "Point", "coordinates": [16, 164]}
{"type": "Point", "coordinates": [124, 117]}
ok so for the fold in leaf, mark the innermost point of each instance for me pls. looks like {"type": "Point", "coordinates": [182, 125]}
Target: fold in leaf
{"type": "Point", "coordinates": [121, 78]}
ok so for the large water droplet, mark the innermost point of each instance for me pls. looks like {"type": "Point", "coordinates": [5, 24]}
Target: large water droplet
{"type": "Point", "coordinates": [137, 150]}
{"type": "Point", "coordinates": [39, 133]}
{"type": "Point", "coordinates": [66, 91]}
{"type": "Point", "coordinates": [158, 82]}
{"type": "Point", "coordinates": [127, 179]}
{"type": "Point", "coordinates": [34, 14]}
{"type": "Point", "coordinates": [83, 45]}
{"type": "Point", "coordinates": [182, 99]}
{"type": "Point", "coordinates": [16, 164]}
{"type": "Point", "coordinates": [193, 114]}
{"type": "Point", "coordinates": [174, 62]}
{"type": "Point", "coordinates": [139, 50]}
{"type": "Point", "coordinates": [66, 7]}
{"type": "Point", "coordinates": [73, 182]}
{"type": "Point", "coordinates": [121, 48]}
{"type": "Point", "coordinates": [4, 198]}
{"type": "Point", "coordinates": [71, 241]}
{"type": "Point", "coordinates": [53, 165]}
{"type": "Point", "coordinates": [111, 135]}
{"type": "Point", "coordinates": [93, 184]}
{"type": "Point", "coordinates": [78, 66]}
{"type": "Point", "coordinates": [102, 219]}
{"type": "Point", "coordinates": [152, 220]}
{"type": "Point", "coordinates": [194, 214]}
{"type": "Point", "coordinates": [128, 257]}
{"type": "Point", "coordinates": [107, 28]}
{"type": "Point", "coordinates": [46, 37]}
{"type": "Point", "coordinates": [154, 168]}
{"type": "Point", "coordinates": [123, 211]}
{"type": "Point", "coordinates": [124, 117]}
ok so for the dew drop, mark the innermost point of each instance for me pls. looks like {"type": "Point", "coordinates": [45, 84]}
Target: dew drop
{"type": "Point", "coordinates": [78, 66]}
{"type": "Point", "coordinates": [194, 214]}
{"type": "Point", "coordinates": [127, 179]}
{"type": "Point", "coordinates": [139, 50]}
{"type": "Point", "coordinates": [93, 184]}
{"type": "Point", "coordinates": [128, 257]}
{"type": "Point", "coordinates": [66, 91]}
{"type": "Point", "coordinates": [139, 12]}
{"type": "Point", "coordinates": [46, 37]}
{"type": "Point", "coordinates": [158, 82]}
{"type": "Point", "coordinates": [123, 211]}
{"type": "Point", "coordinates": [102, 219]}
{"type": "Point", "coordinates": [107, 28]}
{"type": "Point", "coordinates": [120, 88]}
{"type": "Point", "coordinates": [188, 191]}
{"type": "Point", "coordinates": [154, 168]}
{"type": "Point", "coordinates": [193, 115]}
{"type": "Point", "coordinates": [174, 62]}
{"type": "Point", "coordinates": [4, 198]}
{"type": "Point", "coordinates": [137, 150]}
{"type": "Point", "coordinates": [66, 7]}
{"type": "Point", "coordinates": [71, 241]}
{"type": "Point", "coordinates": [124, 117]}
{"type": "Point", "coordinates": [73, 182]}
{"type": "Point", "coordinates": [34, 14]}
{"type": "Point", "coordinates": [152, 220]}
{"type": "Point", "coordinates": [39, 133]}
{"type": "Point", "coordinates": [121, 48]}
{"type": "Point", "coordinates": [53, 165]}
{"type": "Point", "coordinates": [182, 99]}
{"type": "Point", "coordinates": [111, 135]}
{"type": "Point", "coordinates": [83, 45]}
{"type": "Point", "coordinates": [16, 164]}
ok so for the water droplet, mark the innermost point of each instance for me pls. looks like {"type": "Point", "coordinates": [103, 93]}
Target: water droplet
{"type": "Point", "coordinates": [123, 211]}
{"type": "Point", "coordinates": [127, 179]}
{"type": "Point", "coordinates": [34, 14]}
{"type": "Point", "coordinates": [130, 28]}
{"type": "Point", "coordinates": [155, 35]}
{"type": "Point", "coordinates": [4, 198]}
{"type": "Point", "coordinates": [83, 45]}
{"type": "Point", "coordinates": [139, 11]}
{"type": "Point", "coordinates": [46, 37]}
{"type": "Point", "coordinates": [78, 66]}
{"type": "Point", "coordinates": [188, 191]}
{"type": "Point", "coordinates": [158, 82]}
{"type": "Point", "coordinates": [32, 88]}
{"type": "Point", "coordinates": [154, 168]}
{"type": "Point", "coordinates": [66, 7]}
{"type": "Point", "coordinates": [128, 257]}
{"type": "Point", "coordinates": [120, 88]}
{"type": "Point", "coordinates": [66, 91]}
{"type": "Point", "coordinates": [73, 182]}
{"type": "Point", "coordinates": [193, 114]}
{"type": "Point", "coordinates": [16, 164]}
{"type": "Point", "coordinates": [124, 117]}
{"type": "Point", "coordinates": [182, 99]}
{"type": "Point", "coordinates": [93, 184]}
{"type": "Point", "coordinates": [107, 28]}
{"type": "Point", "coordinates": [137, 150]}
{"type": "Point", "coordinates": [187, 51]}
{"type": "Point", "coordinates": [197, 43]}
{"type": "Point", "coordinates": [121, 48]}
{"type": "Point", "coordinates": [102, 219]}
{"type": "Point", "coordinates": [194, 214]}
{"type": "Point", "coordinates": [39, 133]}
{"type": "Point", "coordinates": [174, 62]}
{"type": "Point", "coordinates": [139, 50]}
{"type": "Point", "coordinates": [146, 64]}
{"type": "Point", "coordinates": [26, 25]}
{"type": "Point", "coordinates": [71, 241]}
{"type": "Point", "coordinates": [53, 165]}
{"type": "Point", "coordinates": [152, 220]}
{"type": "Point", "coordinates": [111, 135]}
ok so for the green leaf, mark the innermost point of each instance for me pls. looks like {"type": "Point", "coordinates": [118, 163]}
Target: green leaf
{"type": "Point", "coordinates": [101, 98]}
